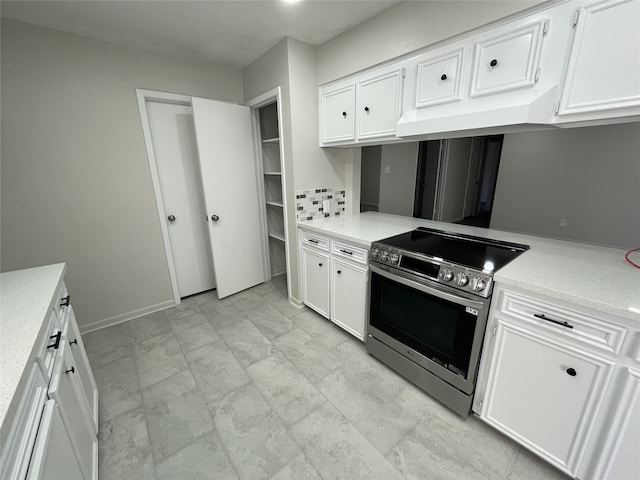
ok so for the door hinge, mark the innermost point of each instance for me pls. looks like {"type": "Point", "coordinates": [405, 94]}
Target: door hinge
{"type": "Point", "coordinates": [537, 75]}
{"type": "Point", "coordinates": [545, 28]}
{"type": "Point", "coordinates": [493, 332]}
{"type": "Point", "coordinates": [404, 72]}
{"type": "Point", "coordinates": [556, 108]}
{"type": "Point", "coordinates": [575, 18]}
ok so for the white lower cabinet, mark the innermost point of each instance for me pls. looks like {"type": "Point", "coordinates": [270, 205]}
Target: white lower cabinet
{"type": "Point", "coordinates": [543, 393]}
{"type": "Point", "coordinates": [53, 454]}
{"type": "Point", "coordinates": [349, 293]}
{"type": "Point", "coordinates": [334, 281]}
{"type": "Point", "coordinates": [316, 281]}
{"type": "Point", "coordinates": [67, 390]}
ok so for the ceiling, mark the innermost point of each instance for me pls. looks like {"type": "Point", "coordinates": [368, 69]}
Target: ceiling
{"type": "Point", "coordinates": [231, 32]}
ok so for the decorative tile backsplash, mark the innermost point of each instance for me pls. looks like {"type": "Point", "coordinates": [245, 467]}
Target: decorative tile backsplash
{"type": "Point", "coordinates": [309, 203]}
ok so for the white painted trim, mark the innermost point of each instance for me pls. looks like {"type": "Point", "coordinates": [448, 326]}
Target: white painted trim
{"type": "Point", "coordinates": [143, 97]}
{"type": "Point", "coordinates": [125, 317]}
{"type": "Point", "coordinates": [255, 103]}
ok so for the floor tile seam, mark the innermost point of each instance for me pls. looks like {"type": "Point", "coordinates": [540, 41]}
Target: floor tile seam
{"type": "Point", "coordinates": [310, 380]}
{"type": "Point", "coordinates": [116, 417]}
{"type": "Point", "coordinates": [140, 342]}
{"type": "Point", "coordinates": [93, 369]}
{"type": "Point", "coordinates": [146, 420]}
{"type": "Point", "coordinates": [513, 461]}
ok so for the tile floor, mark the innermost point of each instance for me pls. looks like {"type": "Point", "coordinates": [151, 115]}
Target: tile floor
{"type": "Point", "coordinates": [251, 387]}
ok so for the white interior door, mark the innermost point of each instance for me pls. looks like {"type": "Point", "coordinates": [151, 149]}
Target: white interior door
{"type": "Point", "coordinates": [174, 145]}
{"type": "Point", "coordinates": [227, 163]}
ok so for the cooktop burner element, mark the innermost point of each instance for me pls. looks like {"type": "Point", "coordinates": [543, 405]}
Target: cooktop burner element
{"type": "Point", "coordinates": [462, 261]}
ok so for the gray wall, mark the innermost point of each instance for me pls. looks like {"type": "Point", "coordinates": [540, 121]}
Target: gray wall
{"type": "Point", "coordinates": [455, 181]}
{"type": "Point", "coordinates": [405, 27]}
{"type": "Point", "coordinates": [76, 185]}
{"type": "Point", "coordinates": [397, 188]}
{"type": "Point", "coordinates": [589, 176]}
{"type": "Point", "coordinates": [370, 175]}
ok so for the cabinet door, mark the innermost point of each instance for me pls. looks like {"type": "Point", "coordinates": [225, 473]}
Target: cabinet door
{"type": "Point", "coordinates": [53, 456]}
{"type": "Point", "coordinates": [439, 78]}
{"type": "Point", "coordinates": [337, 119]}
{"type": "Point", "coordinates": [66, 390]}
{"type": "Point", "coordinates": [543, 394]}
{"type": "Point", "coordinates": [316, 281]}
{"type": "Point", "coordinates": [379, 104]}
{"type": "Point", "coordinates": [507, 60]}
{"type": "Point", "coordinates": [349, 292]}
{"type": "Point", "coordinates": [620, 459]}
{"type": "Point", "coordinates": [604, 65]}
{"type": "Point", "coordinates": [82, 366]}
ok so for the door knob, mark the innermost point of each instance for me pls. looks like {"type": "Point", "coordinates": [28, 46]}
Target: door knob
{"type": "Point", "coordinates": [171, 218]}
{"type": "Point", "coordinates": [215, 218]}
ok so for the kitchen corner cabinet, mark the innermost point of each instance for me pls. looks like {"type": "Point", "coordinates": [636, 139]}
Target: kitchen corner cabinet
{"type": "Point", "coordinates": [363, 109]}
{"type": "Point", "coordinates": [51, 430]}
{"type": "Point", "coordinates": [603, 73]}
{"type": "Point", "coordinates": [334, 278]}
{"type": "Point", "coordinates": [547, 380]}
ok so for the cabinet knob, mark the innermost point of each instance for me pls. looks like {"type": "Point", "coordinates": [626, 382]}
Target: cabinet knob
{"type": "Point", "coordinates": [65, 301]}
{"type": "Point", "coordinates": [366, 109]}
{"type": "Point", "coordinates": [171, 218]}
{"type": "Point", "coordinates": [571, 372]}
{"type": "Point", "coordinates": [344, 114]}
{"type": "Point", "coordinates": [339, 272]}
{"type": "Point", "coordinates": [215, 218]}
{"type": "Point", "coordinates": [319, 264]}
{"type": "Point", "coordinates": [493, 62]}
{"type": "Point", "coordinates": [75, 342]}
{"type": "Point", "coordinates": [443, 77]}
{"type": "Point", "coordinates": [71, 370]}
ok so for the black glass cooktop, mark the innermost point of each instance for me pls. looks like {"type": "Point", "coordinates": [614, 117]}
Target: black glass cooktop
{"type": "Point", "coordinates": [466, 250]}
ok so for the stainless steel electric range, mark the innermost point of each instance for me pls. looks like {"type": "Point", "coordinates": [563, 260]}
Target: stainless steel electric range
{"type": "Point", "coordinates": [428, 305]}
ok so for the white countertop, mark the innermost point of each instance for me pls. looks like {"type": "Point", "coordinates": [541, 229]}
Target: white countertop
{"type": "Point", "coordinates": [589, 275]}
{"type": "Point", "coordinates": [25, 299]}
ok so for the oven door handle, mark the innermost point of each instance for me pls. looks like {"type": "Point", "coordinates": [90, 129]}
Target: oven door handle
{"type": "Point", "coordinates": [383, 272]}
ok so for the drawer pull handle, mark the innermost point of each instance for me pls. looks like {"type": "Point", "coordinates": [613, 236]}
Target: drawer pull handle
{"type": "Point", "coordinates": [65, 301]}
{"type": "Point", "coordinates": [75, 342]}
{"type": "Point", "coordinates": [346, 251]}
{"type": "Point", "coordinates": [311, 240]}
{"type": "Point", "coordinates": [571, 372]}
{"type": "Point", "coordinates": [71, 370]}
{"type": "Point", "coordinates": [55, 344]}
{"type": "Point", "coordinates": [541, 316]}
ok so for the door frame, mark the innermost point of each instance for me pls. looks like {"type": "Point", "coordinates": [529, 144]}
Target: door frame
{"type": "Point", "coordinates": [255, 103]}
{"type": "Point", "coordinates": [177, 99]}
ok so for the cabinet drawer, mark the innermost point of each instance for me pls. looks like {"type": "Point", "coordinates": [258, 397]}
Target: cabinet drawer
{"type": "Point", "coordinates": [558, 320]}
{"type": "Point", "coordinates": [315, 241]}
{"type": "Point", "coordinates": [507, 60]}
{"type": "Point", "coordinates": [61, 307]}
{"type": "Point", "coordinates": [344, 250]}
{"type": "Point", "coordinates": [46, 350]}
{"type": "Point", "coordinates": [17, 449]}
{"type": "Point", "coordinates": [439, 78]}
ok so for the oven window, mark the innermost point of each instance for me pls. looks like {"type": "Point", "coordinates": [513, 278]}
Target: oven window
{"type": "Point", "coordinates": [438, 329]}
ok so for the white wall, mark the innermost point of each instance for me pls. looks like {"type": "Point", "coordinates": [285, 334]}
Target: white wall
{"type": "Point", "coordinates": [397, 188]}
{"type": "Point", "coordinates": [589, 176]}
{"type": "Point", "coordinates": [405, 27]}
{"type": "Point", "coordinates": [76, 185]}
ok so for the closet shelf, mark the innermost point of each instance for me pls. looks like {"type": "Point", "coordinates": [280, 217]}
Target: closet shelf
{"type": "Point", "coordinates": [275, 203]}
{"type": "Point", "coordinates": [273, 173]}
{"type": "Point", "coordinates": [271, 141]}
{"type": "Point", "coordinates": [277, 235]}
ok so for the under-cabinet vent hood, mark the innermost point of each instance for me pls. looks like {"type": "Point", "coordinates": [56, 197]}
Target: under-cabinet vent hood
{"type": "Point", "coordinates": [480, 116]}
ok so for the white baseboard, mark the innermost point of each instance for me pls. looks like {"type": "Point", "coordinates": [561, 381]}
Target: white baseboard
{"type": "Point", "coordinates": [296, 302]}
{"type": "Point", "coordinates": [125, 317]}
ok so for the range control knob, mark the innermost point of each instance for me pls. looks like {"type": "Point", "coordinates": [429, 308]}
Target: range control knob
{"type": "Point", "coordinates": [463, 279]}
{"type": "Point", "coordinates": [385, 256]}
{"type": "Point", "coordinates": [447, 275]}
{"type": "Point", "coordinates": [479, 284]}
{"type": "Point", "coordinates": [375, 253]}
{"type": "Point", "coordinates": [393, 258]}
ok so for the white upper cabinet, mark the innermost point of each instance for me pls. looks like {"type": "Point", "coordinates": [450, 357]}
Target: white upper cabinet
{"type": "Point", "coordinates": [439, 77]}
{"type": "Point", "coordinates": [507, 58]}
{"type": "Point", "coordinates": [337, 109]}
{"type": "Point", "coordinates": [603, 74]}
{"type": "Point", "coordinates": [379, 96]}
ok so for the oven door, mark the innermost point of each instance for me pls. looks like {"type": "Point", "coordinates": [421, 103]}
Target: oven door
{"type": "Point", "coordinates": [432, 325]}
